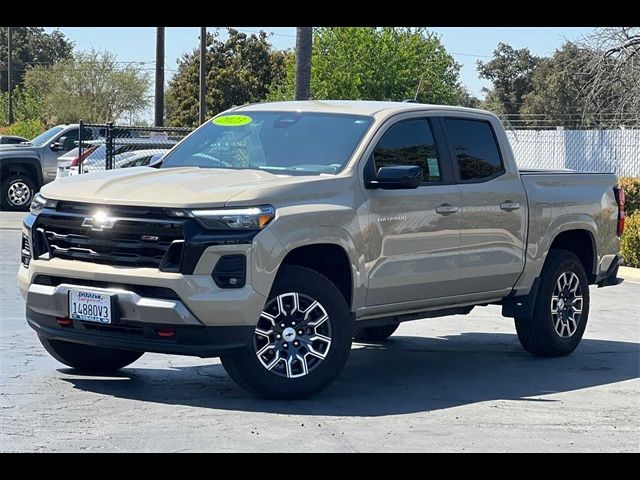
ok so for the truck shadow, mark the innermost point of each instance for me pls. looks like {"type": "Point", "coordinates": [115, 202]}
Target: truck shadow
{"type": "Point", "coordinates": [401, 375]}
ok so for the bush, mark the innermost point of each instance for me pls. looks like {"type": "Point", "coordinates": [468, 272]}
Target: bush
{"type": "Point", "coordinates": [25, 128]}
{"type": "Point", "coordinates": [630, 241]}
{"type": "Point", "coordinates": [631, 187]}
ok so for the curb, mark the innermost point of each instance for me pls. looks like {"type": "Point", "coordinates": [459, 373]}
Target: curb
{"type": "Point", "coordinates": [11, 220]}
{"type": "Point", "coordinates": [630, 274]}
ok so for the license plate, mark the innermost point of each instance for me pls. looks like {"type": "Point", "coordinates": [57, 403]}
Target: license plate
{"type": "Point", "coordinates": [89, 306]}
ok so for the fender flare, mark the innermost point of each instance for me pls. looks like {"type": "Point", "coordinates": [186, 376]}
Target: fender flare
{"type": "Point", "coordinates": [24, 161]}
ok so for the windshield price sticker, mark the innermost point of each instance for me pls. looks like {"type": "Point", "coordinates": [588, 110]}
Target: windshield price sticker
{"type": "Point", "coordinates": [232, 120]}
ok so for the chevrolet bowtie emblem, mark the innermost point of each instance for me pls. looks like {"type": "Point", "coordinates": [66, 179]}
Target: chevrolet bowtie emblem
{"type": "Point", "coordinates": [100, 221]}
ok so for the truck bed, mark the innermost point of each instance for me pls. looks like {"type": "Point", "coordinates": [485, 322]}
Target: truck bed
{"type": "Point", "coordinates": [557, 198]}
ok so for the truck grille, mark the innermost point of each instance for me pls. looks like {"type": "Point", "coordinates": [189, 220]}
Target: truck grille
{"type": "Point", "coordinates": [136, 239]}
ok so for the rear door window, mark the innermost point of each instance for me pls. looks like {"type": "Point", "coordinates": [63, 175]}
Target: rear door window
{"type": "Point", "coordinates": [476, 151]}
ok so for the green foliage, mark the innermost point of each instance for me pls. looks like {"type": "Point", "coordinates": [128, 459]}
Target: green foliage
{"type": "Point", "coordinates": [557, 88]}
{"type": "Point", "coordinates": [465, 99]}
{"type": "Point", "coordinates": [26, 105]}
{"type": "Point", "coordinates": [90, 86]}
{"type": "Point", "coordinates": [240, 70]}
{"type": "Point", "coordinates": [30, 46]}
{"type": "Point", "coordinates": [630, 241]}
{"type": "Point", "coordinates": [631, 187]}
{"type": "Point", "coordinates": [579, 86]}
{"type": "Point", "coordinates": [24, 128]}
{"type": "Point", "coordinates": [511, 72]}
{"type": "Point", "coordinates": [377, 64]}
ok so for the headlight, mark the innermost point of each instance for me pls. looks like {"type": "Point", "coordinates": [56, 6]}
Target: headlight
{"type": "Point", "coordinates": [241, 218]}
{"type": "Point", "coordinates": [39, 203]}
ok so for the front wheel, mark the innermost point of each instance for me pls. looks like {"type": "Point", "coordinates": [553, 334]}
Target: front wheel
{"type": "Point", "coordinates": [302, 339]}
{"type": "Point", "coordinates": [86, 358]}
{"type": "Point", "coordinates": [562, 308]}
{"type": "Point", "coordinates": [17, 192]}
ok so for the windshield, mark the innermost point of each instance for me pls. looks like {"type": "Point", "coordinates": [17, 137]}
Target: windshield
{"type": "Point", "coordinates": [283, 142]}
{"type": "Point", "coordinates": [44, 138]}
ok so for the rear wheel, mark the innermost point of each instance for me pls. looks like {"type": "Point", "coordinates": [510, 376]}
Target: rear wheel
{"type": "Point", "coordinates": [374, 334]}
{"type": "Point", "coordinates": [302, 339]}
{"type": "Point", "coordinates": [562, 308]}
{"type": "Point", "coordinates": [86, 358]}
{"type": "Point", "coordinates": [17, 192]}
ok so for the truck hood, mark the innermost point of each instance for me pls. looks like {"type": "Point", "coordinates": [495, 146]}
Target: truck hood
{"type": "Point", "coordinates": [13, 151]}
{"type": "Point", "coordinates": [185, 187]}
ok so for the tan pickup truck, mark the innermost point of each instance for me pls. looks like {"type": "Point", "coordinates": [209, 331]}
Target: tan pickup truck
{"type": "Point", "coordinates": [276, 233]}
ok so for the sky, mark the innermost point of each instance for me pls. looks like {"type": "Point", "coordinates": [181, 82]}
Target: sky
{"type": "Point", "coordinates": [466, 44]}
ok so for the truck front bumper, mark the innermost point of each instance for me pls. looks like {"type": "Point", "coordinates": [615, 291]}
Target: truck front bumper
{"type": "Point", "coordinates": [205, 321]}
{"type": "Point", "coordinates": [194, 340]}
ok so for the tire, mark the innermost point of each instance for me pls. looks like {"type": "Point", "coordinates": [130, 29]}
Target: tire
{"type": "Point", "coordinates": [374, 334]}
{"type": "Point", "coordinates": [270, 369]}
{"type": "Point", "coordinates": [17, 192]}
{"type": "Point", "coordinates": [557, 335]}
{"type": "Point", "coordinates": [88, 359]}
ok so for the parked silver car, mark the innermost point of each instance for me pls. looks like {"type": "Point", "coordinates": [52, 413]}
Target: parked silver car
{"type": "Point", "coordinates": [95, 160]}
{"type": "Point", "coordinates": [129, 152]}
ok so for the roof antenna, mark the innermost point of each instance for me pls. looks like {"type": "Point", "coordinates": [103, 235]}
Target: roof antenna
{"type": "Point", "coordinates": [415, 98]}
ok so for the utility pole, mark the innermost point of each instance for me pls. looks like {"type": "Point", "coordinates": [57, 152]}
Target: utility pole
{"type": "Point", "coordinates": [9, 86]}
{"type": "Point", "coordinates": [202, 112]}
{"type": "Point", "coordinates": [304, 43]}
{"type": "Point", "coordinates": [159, 77]}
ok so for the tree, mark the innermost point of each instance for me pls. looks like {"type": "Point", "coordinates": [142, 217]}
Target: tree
{"type": "Point", "coordinates": [511, 73]}
{"type": "Point", "coordinates": [90, 86]}
{"type": "Point", "coordinates": [376, 64]}
{"type": "Point", "coordinates": [465, 99]}
{"type": "Point", "coordinates": [240, 69]}
{"type": "Point", "coordinates": [304, 45]}
{"type": "Point", "coordinates": [30, 46]}
{"type": "Point", "coordinates": [26, 106]}
{"type": "Point", "coordinates": [613, 75]}
{"type": "Point", "coordinates": [556, 98]}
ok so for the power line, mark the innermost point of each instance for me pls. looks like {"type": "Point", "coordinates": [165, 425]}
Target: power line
{"type": "Point", "coordinates": [471, 55]}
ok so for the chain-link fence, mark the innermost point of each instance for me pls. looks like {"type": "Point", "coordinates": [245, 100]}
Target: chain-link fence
{"type": "Point", "coordinates": [121, 146]}
{"type": "Point", "coordinates": [615, 151]}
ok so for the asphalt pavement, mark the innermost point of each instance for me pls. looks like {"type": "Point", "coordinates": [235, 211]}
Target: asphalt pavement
{"type": "Point", "coordinates": [459, 383]}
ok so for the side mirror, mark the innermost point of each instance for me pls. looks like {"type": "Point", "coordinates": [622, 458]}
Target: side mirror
{"type": "Point", "coordinates": [59, 145]}
{"type": "Point", "coordinates": [397, 178]}
{"type": "Point", "coordinates": [155, 161]}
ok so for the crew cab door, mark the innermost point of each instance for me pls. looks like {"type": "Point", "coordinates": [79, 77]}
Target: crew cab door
{"type": "Point", "coordinates": [50, 155]}
{"type": "Point", "coordinates": [494, 206]}
{"type": "Point", "coordinates": [412, 238]}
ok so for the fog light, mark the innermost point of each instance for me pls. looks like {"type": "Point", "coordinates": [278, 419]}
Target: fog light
{"type": "Point", "coordinates": [166, 332]}
{"type": "Point", "coordinates": [64, 322]}
{"type": "Point", "coordinates": [230, 271]}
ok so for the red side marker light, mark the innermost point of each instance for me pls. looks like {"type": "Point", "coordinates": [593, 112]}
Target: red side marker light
{"type": "Point", "coordinates": [619, 193]}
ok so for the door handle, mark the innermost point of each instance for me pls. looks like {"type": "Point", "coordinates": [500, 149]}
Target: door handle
{"type": "Point", "coordinates": [446, 209]}
{"type": "Point", "coordinates": [509, 206]}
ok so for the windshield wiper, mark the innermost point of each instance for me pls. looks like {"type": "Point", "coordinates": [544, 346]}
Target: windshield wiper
{"type": "Point", "coordinates": [287, 171]}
